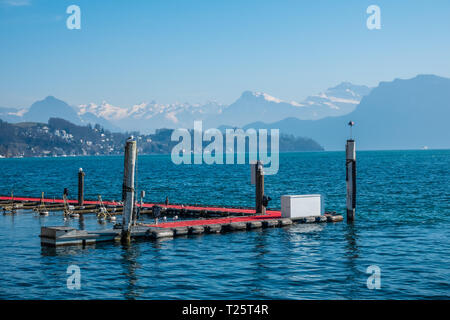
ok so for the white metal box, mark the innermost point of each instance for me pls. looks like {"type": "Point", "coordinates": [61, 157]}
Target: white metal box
{"type": "Point", "coordinates": [305, 205]}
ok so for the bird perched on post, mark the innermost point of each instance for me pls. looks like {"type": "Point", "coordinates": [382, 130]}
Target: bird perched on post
{"type": "Point", "coordinates": [351, 124]}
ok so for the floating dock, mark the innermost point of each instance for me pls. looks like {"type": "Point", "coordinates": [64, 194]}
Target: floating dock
{"type": "Point", "coordinates": [228, 220]}
{"type": "Point", "coordinates": [91, 206]}
{"type": "Point", "coordinates": [63, 236]}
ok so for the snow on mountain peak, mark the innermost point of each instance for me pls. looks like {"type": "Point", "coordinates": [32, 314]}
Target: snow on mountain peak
{"type": "Point", "coordinates": [335, 101]}
{"type": "Point", "coordinates": [267, 97]}
{"type": "Point", "coordinates": [104, 110]}
{"type": "Point", "coordinates": [162, 114]}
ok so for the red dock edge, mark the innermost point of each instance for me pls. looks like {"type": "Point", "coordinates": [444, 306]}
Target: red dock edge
{"type": "Point", "coordinates": [270, 214]}
{"type": "Point", "coordinates": [190, 223]}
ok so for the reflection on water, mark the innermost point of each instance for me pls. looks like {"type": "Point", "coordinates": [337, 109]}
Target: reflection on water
{"type": "Point", "coordinates": [47, 251]}
{"type": "Point", "coordinates": [130, 254]}
{"type": "Point", "coordinates": [81, 224]}
{"type": "Point", "coordinates": [351, 256]}
{"type": "Point", "coordinates": [259, 271]}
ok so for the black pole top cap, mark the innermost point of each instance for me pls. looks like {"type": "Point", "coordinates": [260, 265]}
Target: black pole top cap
{"type": "Point", "coordinates": [351, 123]}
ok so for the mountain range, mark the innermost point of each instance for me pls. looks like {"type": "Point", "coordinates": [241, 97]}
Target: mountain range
{"type": "Point", "coordinates": [402, 114]}
{"type": "Point", "coordinates": [257, 106]}
{"type": "Point", "coordinates": [41, 111]}
{"type": "Point", "coordinates": [399, 114]}
{"type": "Point", "coordinates": [147, 117]}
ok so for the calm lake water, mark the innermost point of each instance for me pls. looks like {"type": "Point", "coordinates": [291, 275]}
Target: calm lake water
{"type": "Point", "coordinates": [402, 226]}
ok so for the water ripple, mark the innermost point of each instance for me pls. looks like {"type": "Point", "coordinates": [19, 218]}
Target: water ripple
{"type": "Point", "coordinates": [402, 226]}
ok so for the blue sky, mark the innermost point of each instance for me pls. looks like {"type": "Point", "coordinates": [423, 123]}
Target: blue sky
{"type": "Point", "coordinates": [129, 52]}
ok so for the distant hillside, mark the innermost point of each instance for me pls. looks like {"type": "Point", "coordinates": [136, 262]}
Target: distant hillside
{"type": "Point", "coordinates": [402, 114]}
{"type": "Point", "coordinates": [62, 138]}
{"type": "Point", "coordinates": [58, 137]}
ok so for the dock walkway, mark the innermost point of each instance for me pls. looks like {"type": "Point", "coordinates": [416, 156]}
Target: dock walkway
{"type": "Point", "coordinates": [229, 220]}
{"type": "Point", "coordinates": [177, 207]}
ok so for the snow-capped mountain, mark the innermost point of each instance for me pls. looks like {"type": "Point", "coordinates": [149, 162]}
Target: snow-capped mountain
{"type": "Point", "coordinates": [146, 117]}
{"type": "Point", "coordinates": [336, 101]}
{"type": "Point", "coordinates": [51, 107]}
{"type": "Point", "coordinates": [250, 107]}
{"type": "Point", "coordinates": [256, 106]}
{"type": "Point", "coordinates": [399, 114]}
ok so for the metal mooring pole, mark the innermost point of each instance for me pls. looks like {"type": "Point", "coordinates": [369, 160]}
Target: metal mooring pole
{"type": "Point", "coordinates": [124, 169]}
{"type": "Point", "coordinates": [128, 189]}
{"type": "Point", "coordinates": [80, 187]}
{"type": "Point", "coordinates": [141, 207]}
{"type": "Point", "coordinates": [350, 151]}
{"type": "Point", "coordinates": [259, 179]}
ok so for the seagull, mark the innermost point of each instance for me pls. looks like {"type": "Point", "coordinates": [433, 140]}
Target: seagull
{"type": "Point", "coordinates": [351, 124]}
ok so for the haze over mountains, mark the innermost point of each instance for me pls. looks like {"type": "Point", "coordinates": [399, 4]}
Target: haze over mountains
{"type": "Point", "coordinates": [256, 106]}
{"type": "Point", "coordinates": [146, 117]}
{"type": "Point", "coordinates": [50, 107]}
{"type": "Point", "coordinates": [400, 114]}
{"type": "Point", "coordinates": [251, 106]}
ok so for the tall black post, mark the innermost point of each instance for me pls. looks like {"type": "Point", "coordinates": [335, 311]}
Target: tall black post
{"type": "Point", "coordinates": [80, 187]}
{"type": "Point", "coordinates": [350, 152]}
{"type": "Point", "coordinates": [259, 181]}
